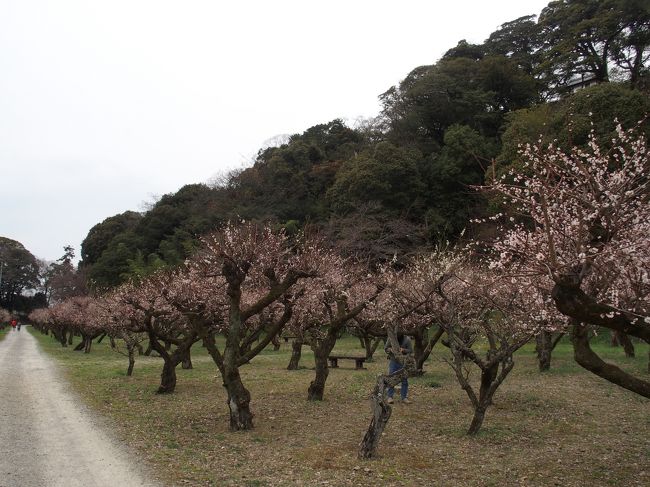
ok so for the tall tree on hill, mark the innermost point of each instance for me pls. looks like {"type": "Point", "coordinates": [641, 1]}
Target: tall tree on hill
{"type": "Point", "coordinates": [107, 248]}
{"type": "Point", "coordinates": [385, 174]}
{"type": "Point", "coordinates": [631, 50]}
{"type": "Point", "coordinates": [112, 268]}
{"type": "Point", "coordinates": [519, 40]}
{"type": "Point", "coordinates": [570, 121]}
{"type": "Point", "coordinates": [177, 220]}
{"type": "Point", "coordinates": [19, 271]}
{"type": "Point", "coordinates": [100, 235]}
{"type": "Point", "coordinates": [449, 176]}
{"type": "Point", "coordinates": [289, 182]}
{"type": "Point", "coordinates": [62, 279]}
{"type": "Point", "coordinates": [466, 50]}
{"type": "Point", "coordinates": [456, 90]}
{"type": "Point", "coordinates": [132, 245]}
{"type": "Point", "coordinates": [584, 36]}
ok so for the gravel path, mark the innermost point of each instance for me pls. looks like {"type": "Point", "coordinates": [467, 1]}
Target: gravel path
{"type": "Point", "coordinates": [47, 438]}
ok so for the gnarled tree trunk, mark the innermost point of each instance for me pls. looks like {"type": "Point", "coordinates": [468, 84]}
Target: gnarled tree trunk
{"type": "Point", "coordinates": [171, 361]}
{"type": "Point", "coordinates": [381, 410]}
{"type": "Point", "coordinates": [545, 344]}
{"type": "Point", "coordinates": [61, 337]}
{"type": "Point", "coordinates": [370, 344]}
{"type": "Point", "coordinates": [167, 377]}
{"type": "Point", "coordinates": [131, 350]}
{"type": "Point", "coordinates": [187, 360]}
{"type": "Point", "coordinates": [589, 360]}
{"type": "Point", "coordinates": [628, 346]}
{"type": "Point", "coordinates": [423, 347]}
{"type": "Point", "coordinates": [241, 417]}
{"type": "Point", "coordinates": [491, 379]}
{"type": "Point", "coordinates": [88, 343]}
{"type": "Point", "coordinates": [296, 353]}
{"type": "Point", "coordinates": [486, 392]}
{"type": "Point", "coordinates": [322, 349]}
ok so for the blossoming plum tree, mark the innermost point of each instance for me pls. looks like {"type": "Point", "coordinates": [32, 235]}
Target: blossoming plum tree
{"type": "Point", "coordinates": [389, 312]}
{"type": "Point", "coordinates": [170, 335]}
{"type": "Point", "coordinates": [474, 306]}
{"type": "Point", "coordinates": [123, 324]}
{"type": "Point", "coordinates": [240, 284]}
{"type": "Point", "coordinates": [84, 319]}
{"type": "Point", "coordinates": [481, 308]}
{"type": "Point", "coordinates": [39, 319]}
{"type": "Point", "coordinates": [54, 320]}
{"type": "Point", "coordinates": [5, 316]}
{"type": "Point", "coordinates": [412, 303]}
{"type": "Point", "coordinates": [326, 304]}
{"type": "Point", "coordinates": [585, 225]}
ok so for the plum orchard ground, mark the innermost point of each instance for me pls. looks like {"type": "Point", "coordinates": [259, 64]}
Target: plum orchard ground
{"type": "Point", "coordinates": [566, 427]}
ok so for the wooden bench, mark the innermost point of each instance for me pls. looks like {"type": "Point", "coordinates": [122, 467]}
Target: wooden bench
{"type": "Point", "coordinates": [334, 361]}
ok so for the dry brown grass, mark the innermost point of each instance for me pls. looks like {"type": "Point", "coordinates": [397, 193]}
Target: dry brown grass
{"type": "Point", "coordinates": [566, 427]}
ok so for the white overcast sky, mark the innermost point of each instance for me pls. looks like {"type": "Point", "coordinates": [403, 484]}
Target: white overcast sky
{"type": "Point", "coordinates": [104, 104]}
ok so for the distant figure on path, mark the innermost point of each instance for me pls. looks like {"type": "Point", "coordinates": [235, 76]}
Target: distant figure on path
{"type": "Point", "coordinates": [13, 324]}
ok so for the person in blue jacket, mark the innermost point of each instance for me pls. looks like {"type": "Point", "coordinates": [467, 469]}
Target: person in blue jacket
{"type": "Point", "coordinates": [394, 366]}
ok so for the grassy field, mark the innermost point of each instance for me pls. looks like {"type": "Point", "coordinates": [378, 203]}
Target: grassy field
{"type": "Point", "coordinates": [565, 427]}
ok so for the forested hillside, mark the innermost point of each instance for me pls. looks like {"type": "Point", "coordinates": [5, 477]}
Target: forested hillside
{"type": "Point", "coordinates": [404, 179]}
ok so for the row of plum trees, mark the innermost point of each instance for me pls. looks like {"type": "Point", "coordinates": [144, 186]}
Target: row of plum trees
{"type": "Point", "coordinates": [572, 254]}
{"type": "Point", "coordinates": [248, 284]}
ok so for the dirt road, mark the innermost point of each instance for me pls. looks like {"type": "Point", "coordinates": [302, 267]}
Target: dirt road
{"type": "Point", "coordinates": [47, 438]}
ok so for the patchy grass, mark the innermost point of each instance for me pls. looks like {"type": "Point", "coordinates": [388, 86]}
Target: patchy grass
{"type": "Point", "coordinates": [566, 427]}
